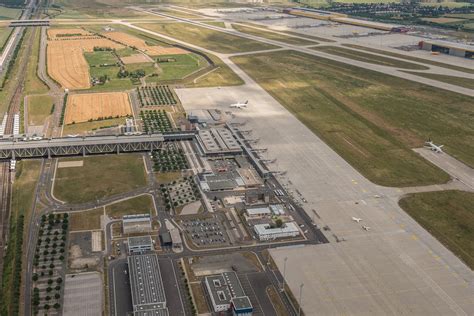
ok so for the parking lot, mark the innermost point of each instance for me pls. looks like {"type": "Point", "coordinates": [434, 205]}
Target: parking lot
{"type": "Point", "coordinates": [205, 232]}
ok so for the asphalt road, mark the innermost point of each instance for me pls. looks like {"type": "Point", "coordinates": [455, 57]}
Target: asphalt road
{"type": "Point", "coordinates": [120, 298]}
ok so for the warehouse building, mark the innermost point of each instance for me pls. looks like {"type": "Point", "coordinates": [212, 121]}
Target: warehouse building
{"type": "Point", "coordinates": [138, 223]}
{"type": "Point", "coordinates": [139, 245]}
{"type": "Point", "coordinates": [449, 48]}
{"type": "Point", "coordinates": [226, 292]}
{"type": "Point", "coordinates": [266, 232]}
{"type": "Point", "coordinates": [146, 285]}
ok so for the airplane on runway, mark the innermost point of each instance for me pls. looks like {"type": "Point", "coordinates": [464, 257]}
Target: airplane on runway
{"type": "Point", "coordinates": [355, 219]}
{"type": "Point", "coordinates": [240, 105]}
{"type": "Point", "coordinates": [366, 228]}
{"type": "Point", "coordinates": [433, 147]}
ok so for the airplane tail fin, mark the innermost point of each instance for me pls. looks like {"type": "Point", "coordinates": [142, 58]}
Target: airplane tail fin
{"type": "Point", "coordinates": [246, 102]}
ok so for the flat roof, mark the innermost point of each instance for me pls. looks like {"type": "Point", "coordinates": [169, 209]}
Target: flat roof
{"type": "Point", "coordinates": [154, 312]}
{"type": "Point", "coordinates": [145, 282]}
{"type": "Point", "coordinates": [258, 210]}
{"type": "Point", "coordinates": [224, 287]}
{"type": "Point", "coordinates": [139, 241]}
{"type": "Point", "coordinates": [265, 229]}
{"type": "Point", "coordinates": [218, 139]}
{"type": "Point", "coordinates": [241, 303]}
{"type": "Point", "coordinates": [135, 218]}
{"type": "Point", "coordinates": [449, 44]}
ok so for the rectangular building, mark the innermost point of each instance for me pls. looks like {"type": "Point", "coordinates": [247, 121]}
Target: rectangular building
{"type": "Point", "coordinates": [449, 48]}
{"type": "Point", "coordinates": [138, 223]}
{"type": "Point", "coordinates": [176, 238]}
{"type": "Point", "coordinates": [226, 292]}
{"type": "Point", "coordinates": [148, 294]}
{"type": "Point", "coordinates": [218, 141]}
{"type": "Point", "coordinates": [266, 232]}
{"type": "Point", "coordinates": [139, 245]}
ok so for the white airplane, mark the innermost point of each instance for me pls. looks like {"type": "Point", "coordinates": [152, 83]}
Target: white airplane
{"type": "Point", "coordinates": [433, 147]}
{"type": "Point", "coordinates": [240, 105]}
{"type": "Point", "coordinates": [366, 228]}
{"type": "Point", "coordinates": [72, 135]}
{"type": "Point", "coordinates": [355, 219]}
{"type": "Point", "coordinates": [36, 138]}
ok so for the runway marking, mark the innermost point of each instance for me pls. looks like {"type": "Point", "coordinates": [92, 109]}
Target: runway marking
{"type": "Point", "coordinates": [414, 237]}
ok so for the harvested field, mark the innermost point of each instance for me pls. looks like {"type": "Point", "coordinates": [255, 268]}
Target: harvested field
{"type": "Point", "coordinates": [140, 44]}
{"type": "Point", "coordinates": [66, 62]}
{"type": "Point", "coordinates": [93, 106]}
{"type": "Point", "coordinates": [64, 34]}
{"type": "Point", "coordinates": [136, 59]}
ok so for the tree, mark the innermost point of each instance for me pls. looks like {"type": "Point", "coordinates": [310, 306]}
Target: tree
{"type": "Point", "coordinates": [278, 222]}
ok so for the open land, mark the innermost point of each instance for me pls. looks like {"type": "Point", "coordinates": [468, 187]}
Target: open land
{"type": "Point", "coordinates": [66, 62]}
{"type": "Point", "coordinates": [86, 220]}
{"type": "Point", "coordinates": [207, 38]}
{"type": "Point", "coordinates": [39, 108]}
{"type": "Point", "coordinates": [459, 81]}
{"type": "Point", "coordinates": [142, 204]}
{"type": "Point", "coordinates": [100, 177]}
{"type": "Point", "coordinates": [448, 216]}
{"type": "Point", "coordinates": [347, 116]}
{"type": "Point", "coordinates": [370, 58]}
{"type": "Point", "coordinates": [273, 35]}
{"type": "Point", "coordinates": [95, 106]}
{"type": "Point", "coordinates": [85, 127]}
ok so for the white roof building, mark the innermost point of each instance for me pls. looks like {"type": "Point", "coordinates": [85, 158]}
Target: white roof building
{"type": "Point", "coordinates": [266, 232]}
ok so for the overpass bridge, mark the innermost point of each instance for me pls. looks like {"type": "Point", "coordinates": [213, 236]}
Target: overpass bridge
{"type": "Point", "coordinates": [73, 146]}
{"type": "Point", "coordinates": [18, 23]}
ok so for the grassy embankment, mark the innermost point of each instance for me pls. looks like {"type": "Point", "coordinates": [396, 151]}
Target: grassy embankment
{"type": "Point", "coordinates": [372, 120]}
{"type": "Point", "coordinates": [448, 216]}
{"type": "Point", "coordinates": [27, 175]}
{"type": "Point", "coordinates": [210, 39]}
{"type": "Point", "coordinates": [412, 58]}
{"type": "Point", "coordinates": [458, 81]}
{"type": "Point", "coordinates": [369, 58]}
{"type": "Point", "coordinates": [99, 177]}
{"type": "Point", "coordinates": [272, 35]}
{"type": "Point", "coordinates": [142, 204]}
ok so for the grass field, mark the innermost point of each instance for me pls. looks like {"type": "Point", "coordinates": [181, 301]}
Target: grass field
{"type": "Point", "coordinates": [369, 58]}
{"type": "Point", "coordinates": [215, 23]}
{"type": "Point", "coordinates": [85, 220]}
{"type": "Point", "coordinates": [183, 66]}
{"type": "Point", "coordinates": [33, 85]}
{"type": "Point", "coordinates": [421, 60]}
{"type": "Point", "coordinates": [180, 14]}
{"type": "Point", "coordinates": [459, 81]}
{"type": "Point", "coordinates": [80, 128]}
{"type": "Point", "coordinates": [9, 13]}
{"type": "Point", "coordinates": [142, 204]}
{"type": "Point", "coordinates": [372, 120]}
{"type": "Point", "coordinates": [39, 108]}
{"type": "Point", "coordinates": [5, 32]}
{"type": "Point", "coordinates": [448, 216]}
{"type": "Point", "coordinates": [101, 176]}
{"type": "Point", "coordinates": [272, 36]}
{"type": "Point", "coordinates": [210, 39]}
{"type": "Point", "coordinates": [222, 76]}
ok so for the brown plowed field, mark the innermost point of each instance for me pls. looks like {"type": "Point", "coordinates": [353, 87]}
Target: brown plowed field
{"type": "Point", "coordinates": [92, 106]}
{"type": "Point", "coordinates": [73, 33]}
{"type": "Point", "coordinates": [66, 62]}
{"type": "Point", "coordinates": [140, 44]}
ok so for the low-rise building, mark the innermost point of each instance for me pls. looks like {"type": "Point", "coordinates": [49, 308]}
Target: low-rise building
{"type": "Point", "coordinates": [139, 245]}
{"type": "Point", "coordinates": [267, 232]}
{"type": "Point", "coordinates": [226, 292]}
{"type": "Point", "coordinates": [258, 211]}
{"type": "Point", "coordinates": [138, 223]}
{"type": "Point", "coordinates": [176, 240]}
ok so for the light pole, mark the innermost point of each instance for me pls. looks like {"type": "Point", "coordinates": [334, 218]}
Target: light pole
{"type": "Point", "coordinates": [301, 294]}
{"type": "Point", "coordinates": [284, 274]}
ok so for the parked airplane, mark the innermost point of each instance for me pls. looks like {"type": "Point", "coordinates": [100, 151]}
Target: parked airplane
{"type": "Point", "coordinates": [433, 147]}
{"type": "Point", "coordinates": [72, 135]}
{"type": "Point", "coordinates": [355, 219]}
{"type": "Point", "coordinates": [366, 228]}
{"type": "Point", "coordinates": [240, 105]}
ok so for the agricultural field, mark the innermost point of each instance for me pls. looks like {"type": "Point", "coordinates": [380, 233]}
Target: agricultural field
{"type": "Point", "coordinates": [96, 106]}
{"type": "Point", "coordinates": [67, 64]}
{"type": "Point", "coordinates": [417, 59]}
{"type": "Point", "coordinates": [155, 121]}
{"type": "Point", "coordinates": [369, 58]}
{"type": "Point", "coordinates": [99, 177]}
{"type": "Point", "coordinates": [458, 81]}
{"type": "Point", "coordinates": [448, 216]}
{"type": "Point", "coordinates": [272, 36]}
{"type": "Point", "coordinates": [39, 107]}
{"type": "Point", "coordinates": [135, 42]}
{"type": "Point", "coordinates": [169, 160]}
{"type": "Point", "coordinates": [373, 131]}
{"type": "Point", "coordinates": [210, 39]}
{"type": "Point", "coordinates": [158, 95]}
{"type": "Point", "coordinates": [142, 204]}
